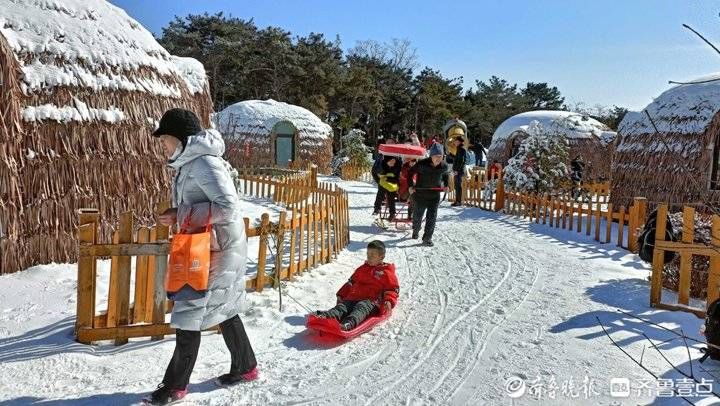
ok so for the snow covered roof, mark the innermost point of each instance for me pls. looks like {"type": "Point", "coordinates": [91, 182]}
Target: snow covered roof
{"type": "Point", "coordinates": [683, 109]}
{"type": "Point", "coordinates": [260, 116]}
{"type": "Point", "coordinates": [572, 125]}
{"type": "Point", "coordinates": [91, 44]}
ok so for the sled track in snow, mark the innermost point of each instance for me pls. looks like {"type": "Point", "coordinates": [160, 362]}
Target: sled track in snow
{"type": "Point", "coordinates": [514, 284]}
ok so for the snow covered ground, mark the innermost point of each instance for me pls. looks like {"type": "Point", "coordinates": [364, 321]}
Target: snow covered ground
{"type": "Point", "coordinates": [497, 303]}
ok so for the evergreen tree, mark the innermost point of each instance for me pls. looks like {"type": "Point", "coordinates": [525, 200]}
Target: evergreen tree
{"type": "Point", "coordinates": [540, 164]}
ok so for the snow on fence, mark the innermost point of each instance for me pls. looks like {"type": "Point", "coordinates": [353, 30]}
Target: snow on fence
{"type": "Point", "coordinates": [686, 249]}
{"type": "Point", "coordinates": [311, 232]}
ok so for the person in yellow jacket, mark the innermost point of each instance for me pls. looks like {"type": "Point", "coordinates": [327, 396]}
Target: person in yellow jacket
{"type": "Point", "coordinates": [389, 178]}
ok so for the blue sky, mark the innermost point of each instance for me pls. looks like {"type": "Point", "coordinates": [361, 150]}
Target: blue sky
{"type": "Point", "coordinates": [596, 52]}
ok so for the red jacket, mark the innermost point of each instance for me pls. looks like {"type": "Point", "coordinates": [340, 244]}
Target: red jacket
{"type": "Point", "coordinates": [377, 283]}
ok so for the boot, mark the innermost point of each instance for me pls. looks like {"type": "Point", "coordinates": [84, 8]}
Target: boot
{"type": "Point", "coordinates": [234, 378]}
{"type": "Point", "coordinates": [164, 395]}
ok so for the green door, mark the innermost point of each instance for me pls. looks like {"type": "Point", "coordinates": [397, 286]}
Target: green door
{"type": "Point", "coordinates": [284, 143]}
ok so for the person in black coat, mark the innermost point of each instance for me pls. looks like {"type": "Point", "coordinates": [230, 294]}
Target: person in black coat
{"type": "Point", "coordinates": [426, 179]}
{"type": "Point", "coordinates": [458, 168]}
{"type": "Point", "coordinates": [388, 178]}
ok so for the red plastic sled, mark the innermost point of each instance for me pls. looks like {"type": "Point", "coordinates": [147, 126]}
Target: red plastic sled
{"type": "Point", "coordinates": [403, 150]}
{"type": "Point", "coordinates": [332, 326]}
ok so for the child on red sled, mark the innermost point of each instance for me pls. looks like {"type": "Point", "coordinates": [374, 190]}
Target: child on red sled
{"type": "Point", "coordinates": [373, 287]}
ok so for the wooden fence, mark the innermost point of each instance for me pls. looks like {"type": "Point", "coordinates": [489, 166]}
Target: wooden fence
{"type": "Point", "coordinates": [350, 171]}
{"type": "Point", "coordinates": [479, 191]}
{"type": "Point", "coordinates": [309, 233]}
{"type": "Point", "coordinates": [566, 213]}
{"type": "Point", "coordinates": [686, 248]}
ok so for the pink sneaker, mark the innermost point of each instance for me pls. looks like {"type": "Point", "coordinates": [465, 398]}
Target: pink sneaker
{"type": "Point", "coordinates": [232, 379]}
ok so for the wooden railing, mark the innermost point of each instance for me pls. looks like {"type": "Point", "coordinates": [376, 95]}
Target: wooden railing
{"type": "Point", "coordinates": [686, 248]}
{"type": "Point", "coordinates": [480, 191]}
{"type": "Point", "coordinates": [593, 219]}
{"type": "Point", "coordinates": [310, 232]}
{"type": "Point", "coordinates": [350, 171]}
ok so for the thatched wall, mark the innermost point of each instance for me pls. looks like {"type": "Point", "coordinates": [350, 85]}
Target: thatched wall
{"type": "Point", "coordinates": [70, 165]}
{"type": "Point", "coordinates": [596, 155]}
{"type": "Point", "coordinates": [10, 156]}
{"type": "Point", "coordinates": [669, 168]}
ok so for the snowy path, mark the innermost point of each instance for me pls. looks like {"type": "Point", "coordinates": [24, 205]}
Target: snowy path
{"type": "Point", "coordinates": [495, 298]}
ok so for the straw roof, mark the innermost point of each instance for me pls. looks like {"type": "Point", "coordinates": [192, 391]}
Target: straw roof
{"type": "Point", "coordinates": [671, 165]}
{"type": "Point", "coordinates": [574, 126]}
{"type": "Point", "coordinates": [85, 86]}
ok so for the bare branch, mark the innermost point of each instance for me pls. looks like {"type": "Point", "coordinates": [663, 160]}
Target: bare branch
{"type": "Point", "coordinates": [634, 360]}
{"type": "Point", "coordinates": [703, 38]}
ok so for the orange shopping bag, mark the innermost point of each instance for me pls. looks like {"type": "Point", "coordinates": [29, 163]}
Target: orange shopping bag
{"type": "Point", "coordinates": [189, 266]}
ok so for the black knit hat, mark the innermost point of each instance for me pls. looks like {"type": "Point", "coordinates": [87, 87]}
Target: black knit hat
{"type": "Point", "coordinates": [179, 123]}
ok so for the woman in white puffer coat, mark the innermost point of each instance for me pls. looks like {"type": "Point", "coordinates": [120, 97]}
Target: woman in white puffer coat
{"type": "Point", "coordinates": [203, 190]}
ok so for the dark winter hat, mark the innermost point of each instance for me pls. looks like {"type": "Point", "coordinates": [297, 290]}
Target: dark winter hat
{"type": "Point", "coordinates": [179, 123]}
{"type": "Point", "coordinates": [436, 149]}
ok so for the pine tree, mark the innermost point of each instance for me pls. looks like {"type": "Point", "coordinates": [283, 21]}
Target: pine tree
{"type": "Point", "coordinates": [353, 152]}
{"type": "Point", "coordinates": [540, 164]}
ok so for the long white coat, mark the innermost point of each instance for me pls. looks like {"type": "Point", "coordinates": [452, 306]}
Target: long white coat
{"type": "Point", "coordinates": [202, 186]}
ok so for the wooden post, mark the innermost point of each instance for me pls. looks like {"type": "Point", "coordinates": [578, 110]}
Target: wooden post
{"type": "Point", "coordinates": [280, 248]}
{"type": "Point", "coordinates": [598, 212]}
{"type": "Point", "coordinates": [141, 279]}
{"type": "Point", "coordinates": [293, 242]}
{"type": "Point", "coordinates": [303, 237]}
{"type": "Point", "coordinates": [658, 257]}
{"type": "Point", "coordinates": [124, 275]}
{"type": "Point", "coordinates": [161, 262]}
{"type": "Point", "coordinates": [713, 288]}
{"type": "Point", "coordinates": [316, 227]}
{"type": "Point", "coordinates": [113, 286]}
{"type": "Point", "coordinates": [313, 176]}
{"type": "Point", "coordinates": [688, 234]}
{"type": "Point", "coordinates": [538, 202]}
{"type": "Point", "coordinates": [572, 215]}
{"type": "Point", "coordinates": [621, 227]}
{"type": "Point", "coordinates": [150, 291]}
{"type": "Point", "coordinates": [579, 218]}
{"type": "Point", "coordinates": [500, 193]}
{"type": "Point", "coordinates": [262, 251]}
{"type": "Point", "coordinates": [87, 234]}
{"type": "Point", "coordinates": [608, 223]}
{"type": "Point", "coordinates": [588, 225]}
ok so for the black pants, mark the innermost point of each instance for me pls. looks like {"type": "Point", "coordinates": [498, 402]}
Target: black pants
{"type": "Point", "coordinates": [458, 187]}
{"type": "Point", "coordinates": [422, 204]}
{"type": "Point", "coordinates": [351, 312]}
{"type": "Point", "coordinates": [380, 197]}
{"type": "Point", "coordinates": [187, 345]}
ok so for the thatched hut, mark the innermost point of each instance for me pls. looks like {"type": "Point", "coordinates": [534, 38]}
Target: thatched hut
{"type": "Point", "coordinates": [267, 132]}
{"type": "Point", "coordinates": [673, 158]}
{"type": "Point", "coordinates": [587, 137]}
{"type": "Point", "coordinates": [82, 85]}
